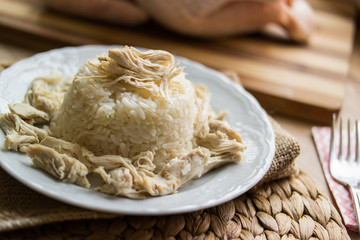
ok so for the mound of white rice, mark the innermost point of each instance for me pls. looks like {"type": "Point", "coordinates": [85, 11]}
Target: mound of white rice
{"type": "Point", "coordinates": [128, 102]}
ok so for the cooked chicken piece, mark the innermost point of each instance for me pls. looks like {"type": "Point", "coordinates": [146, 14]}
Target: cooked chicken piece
{"type": "Point", "coordinates": [219, 124]}
{"type": "Point", "coordinates": [45, 97]}
{"type": "Point", "coordinates": [159, 184]}
{"type": "Point", "coordinates": [13, 139]}
{"type": "Point", "coordinates": [139, 70]}
{"type": "Point", "coordinates": [10, 121]}
{"type": "Point", "coordinates": [29, 113]}
{"type": "Point", "coordinates": [221, 159]}
{"type": "Point", "coordinates": [202, 102]}
{"type": "Point", "coordinates": [218, 143]}
{"type": "Point", "coordinates": [195, 164]}
{"type": "Point", "coordinates": [115, 161]}
{"type": "Point", "coordinates": [19, 133]}
{"type": "Point", "coordinates": [6, 123]}
{"type": "Point", "coordinates": [144, 160]}
{"type": "Point", "coordinates": [119, 182]}
{"type": "Point", "coordinates": [223, 142]}
{"type": "Point", "coordinates": [17, 142]}
{"type": "Point", "coordinates": [73, 150]}
{"type": "Point", "coordinates": [188, 167]}
{"type": "Point", "coordinates": [61, 166]}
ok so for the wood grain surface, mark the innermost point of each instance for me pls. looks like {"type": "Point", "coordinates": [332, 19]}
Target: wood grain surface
{"type": "Point", "coordinates": [306, 81]}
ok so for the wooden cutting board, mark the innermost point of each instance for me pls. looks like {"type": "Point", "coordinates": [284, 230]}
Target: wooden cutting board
{"type": "Point", "coordinates": [306, 81]}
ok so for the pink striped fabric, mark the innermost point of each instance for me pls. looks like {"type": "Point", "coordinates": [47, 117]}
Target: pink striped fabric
{"type": "Point", "coordinates": [341, 193]}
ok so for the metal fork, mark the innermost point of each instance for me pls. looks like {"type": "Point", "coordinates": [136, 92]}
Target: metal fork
{"type": "Point", "coordinates": [345, 167]}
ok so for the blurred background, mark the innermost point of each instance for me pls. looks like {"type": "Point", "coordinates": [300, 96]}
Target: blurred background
{"type": "Point", "coordinates": [290, 54]}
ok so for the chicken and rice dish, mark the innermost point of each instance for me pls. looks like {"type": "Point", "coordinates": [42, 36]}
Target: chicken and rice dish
{"type": "Point", "coordinates": [129, 117]}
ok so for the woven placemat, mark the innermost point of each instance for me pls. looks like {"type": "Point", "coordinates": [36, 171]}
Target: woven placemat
{"type": "Point", "coordinates": [290, 208]}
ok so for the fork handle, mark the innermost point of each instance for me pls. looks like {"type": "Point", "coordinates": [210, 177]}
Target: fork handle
{"type": "Point", "coordinates": [355, 192]}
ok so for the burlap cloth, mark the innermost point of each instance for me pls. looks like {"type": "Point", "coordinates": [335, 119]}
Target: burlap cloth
{"type": "Point", "coordinates": [285, 205]}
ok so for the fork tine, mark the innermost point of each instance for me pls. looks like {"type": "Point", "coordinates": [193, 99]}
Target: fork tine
{"type": "Point", "coordinates": [348, 157]}
{"type": "Point", "coordinates": [332, 136]}
{"type": "Point", "coordinates": [357, 139]}
{"type": "Point", "coordinates": [340, 140]}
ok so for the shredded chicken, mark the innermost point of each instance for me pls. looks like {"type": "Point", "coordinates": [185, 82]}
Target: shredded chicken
{"type": "Point", "coordinates": [119, 182]}
{"type": "Point", "coordinates": [29, 113]}
{"type": "Point", "coordinates": [44, 96]}
{"type": "Point", "coordinates": [139, 70]}
{"type": "Point", "coordinates": [140, 168]}
{"type": "Point", "coordinates": [61, 166]}
{"type": "Point", "coordinates": [17, 142]}
{"type": "Point", "coordinates": [221, 140]}
{"type": "Point", "coordinates": [19, 133]}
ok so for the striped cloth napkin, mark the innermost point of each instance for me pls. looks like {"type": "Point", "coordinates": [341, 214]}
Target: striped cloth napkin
{"type": "Point", "coordinates": [341, 193]}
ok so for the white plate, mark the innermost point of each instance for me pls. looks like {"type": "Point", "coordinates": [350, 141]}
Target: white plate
{"type": "Point", "coordinates": [216, 187]}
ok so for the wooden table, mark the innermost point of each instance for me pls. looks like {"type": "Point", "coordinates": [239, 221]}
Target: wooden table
{"type": "Point", "coordinates": [308, 159]}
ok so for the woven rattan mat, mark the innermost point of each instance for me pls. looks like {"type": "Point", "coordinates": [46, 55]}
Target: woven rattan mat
{"type": "Point", "coordinates": [290, 208]}
{"type": "Point", "coordinates": [285, 205]}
